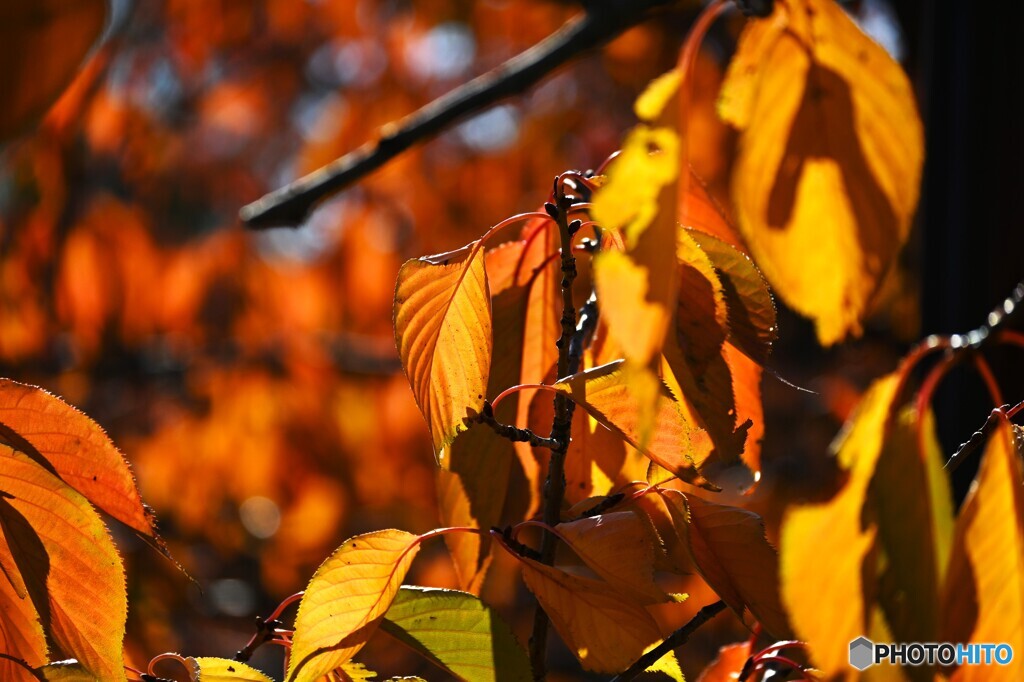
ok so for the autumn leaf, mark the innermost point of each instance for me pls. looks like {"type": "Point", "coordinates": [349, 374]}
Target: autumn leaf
{"type": "Point", "coordinates": [68, 565]}
{"type": "Point", "coordinates": [442, 318]}
{"type": "Point", "coordinates": [42, 45]}
{"type": "Point", "coordinates": [606, 396]}
{"type": "Point", "coordinates": [989, 552]}
{"type": "Point", "coordinates": [830, 153]}
{"type": "Point", "coordinates": [74, 447]}
{"type": "Point", "coordinates": [458, 632]}
{"type": "Point", "coordinates": [618, 548]}
{"type": "Point", "coordinates": [824, 546]}
{"type": "Point", "coordinates": [606, 631]}
{"type": "Point", "coordinates": [63, 671]}
{"type": "Point", "coordinates": [345, 600]}
{"type": "Point", "coordinates": [731, 553]}
{"type": "Point", "coordinates": [223, 670]}
{"type": "Point", "coordinates": [728, 664]}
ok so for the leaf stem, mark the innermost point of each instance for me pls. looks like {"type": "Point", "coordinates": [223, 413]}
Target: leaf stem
{"type": "Point", "coordinates": [676, 639]}
{"type": "Point", "coordinates": [978, 437]}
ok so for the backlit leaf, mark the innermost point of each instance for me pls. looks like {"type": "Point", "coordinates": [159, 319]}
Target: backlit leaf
{"type": "Point", "coordinates": [21, 635]}
{"type": "Point", "coordinates": [443, 331]}
{"type": "Point", "coordinates": [345, 600]}
{"type": "Point", "coordinates": [606, 631]}
{"type": "Point", "coordinates": [64, 671]}
{"type": "Point", "coordinates": [223, 670]}
{"type": "Point", "coordinates": [823, 546]}
{"type": "Point", "coordinates": [826, 180]}
{"type": "Point", "coordinates": [732, 554]}
{"type": "Point", "coordinates": [70, 444]}
{"type": "Point", "coordinates": [605, 395]}
{"type": "Point", "coordinates": [990, 535]}
{"type": "Point", "coordinates": [42, 45]}
{"type": "Point", "coordinates": [71, 570]}
{"type": "Point", "coordinates": [728, 664]}
{"type": "Point", "coordinates": [618, 548]}
{"type": "Point", "coordinates": [458, 632]}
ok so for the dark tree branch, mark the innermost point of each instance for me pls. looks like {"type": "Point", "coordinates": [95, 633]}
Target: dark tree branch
{"type": "Point", "coordinates": [514, 433]}
{"type": "Point", "coordinates": [981, 435]}
{"type": "Point", "coordinates": [676, 639]}
{"type": "Point", "coordinates": [289, 205]}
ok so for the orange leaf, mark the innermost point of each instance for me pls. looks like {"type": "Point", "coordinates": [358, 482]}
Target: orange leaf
{"type": "Point", "coordinates": [990, 537]}
{"type": "Point", "coordinates": [605, 394]}
{"type": "Point", "coordinates": [42, 45]}
{"type": "Point", "coordinates": [443, 332]}
{"type": "Point", "coordinates": [732, 554]}
{"type": "Point", "coordinates": [69, 566]}
{"type": "Point", "coordinates": [70, 444]}
{"type": "Point", "coordinates": [618, 548]}
{"type": "Point", "coordinates": [823, 546]}
{"type": "Point", "coordinates": [826, 211]}
{"type": "Point", "coordinates": [606, 631]}
{"type": "Point", "coordinates": [345, 600]}
{"type": "Point", "coordinates": [728, 664]}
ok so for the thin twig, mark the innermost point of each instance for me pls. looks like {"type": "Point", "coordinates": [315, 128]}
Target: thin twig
{"type": "Point", "coordinates": [561, 427]}
{"type": "Point", "coordinates": [979, 436]}
{"type": "Point", "coordinates": [676, 639]}
{"type": "Point", "coordinates": [514, 433]}
{"type": "Point", "coordinates": [289, 205]}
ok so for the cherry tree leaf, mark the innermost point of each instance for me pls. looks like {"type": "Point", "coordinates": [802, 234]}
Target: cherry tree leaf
{"type": "Point", "coordinates": [458, 632]}
{"type": "Point", "coordinates": [207, 669]}
{"type": "Point", "coordinates": [345, 600]}
{"type": "Point", "coordinates": [989, 547]}
{"type": "Point", "coordinates": [442, 318]}
{"type": "Point", "coordinates": [728, 663]}
{"type": "Point", "coordinates": [64, 671]}
{"type": "Point", "coordinates": [74, 447]}
{"type": "Point", "coordinates": [606, 395]}
{"type": "Point", "coordinates": [618, 548]}
{"type": "Point", "coordinates": [606, 631]}
{"type": "Point", "coordinates": [826, 210]}
{"type": "Point", "coordinates": [731, 553]}
{"type": "Point", "coordinates": [21, 635]}
{"type": "Point", "coordinates": [824, 546]}
{"type": "Point", "coordinates": [42, 45]}
{"type": "Point", "coordinates": [68, 564]}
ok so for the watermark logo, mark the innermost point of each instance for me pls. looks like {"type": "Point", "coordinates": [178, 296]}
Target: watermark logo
{"type": "Point", "coordinates": [864, 653]}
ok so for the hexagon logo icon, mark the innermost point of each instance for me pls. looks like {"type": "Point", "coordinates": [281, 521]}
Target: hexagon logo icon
{"type": "Point", "coordinates": [862, 653]}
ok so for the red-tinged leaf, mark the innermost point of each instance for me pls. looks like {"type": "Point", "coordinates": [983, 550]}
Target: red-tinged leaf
{"type": "Point", "coordinates": [699, 211]}
{"type": "Point", "coordinates": [605, 394]}
{"type": "Point", "coordinates": [21, 635]}
{"type": "Point", "coordinates": [606, 631]}
{"type": "Point", "coordinates": [732, 554]}
{"type": "Point", "coordinates": [223, 670]}
{"type": "Point", "coordinates": [442, 320]}
{"type": "Point", "coordinates": [70, 444]}
{"type": "Point", "coordinates": [728, 664]}
{"type": "Point", "coordinates": [746, 389]}
{"type": "Point", "coordinates": [989, 547]}
{"type": "Point", "coordinates": [346, 599]}
{"type": "Point", "coordinates": [824, 546]}
{"type": "Point", "coordinates": [42, 45]}
{"type": "Point", "coordinates": [751, 310]}
{"type": "Point", "coordinates": [618, 548]}
{"type": "Point", "coordinates": [71, 570]}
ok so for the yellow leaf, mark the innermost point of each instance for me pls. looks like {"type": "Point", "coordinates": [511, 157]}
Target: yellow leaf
{"type": "Point", "coordinates": [606, 395]}
{"type": "Point", "coordinates": [606, 631]}
{"type": "Point", "coordinates": [69, 566]}
{"type": "Point", "coordinates": [990, 536]}
{"type": "Point", "coordinates": [823, 546]}
{"type": "Point", "coordinates": [443, 332]}
{"type": "Point", "coordinates": [62, 438]}
{"type": "Point", "coordinates": [223, 670]}
{"type": "Point", "coordinates": [826, 179]}
{"type": "Point", "coordinates": [618, 548]}
{"type": "Point", "coordinates": [346, 599]}
{"type": "Point", "coordinates": [652, 100]}
{"type": "Point", "coordinates": [64, 671]}
{"type": "Point", "coordinates": [42, 45]}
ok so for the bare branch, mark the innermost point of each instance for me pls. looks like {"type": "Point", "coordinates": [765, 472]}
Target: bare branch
{"type": "Point", "coordinates": [289, 205]}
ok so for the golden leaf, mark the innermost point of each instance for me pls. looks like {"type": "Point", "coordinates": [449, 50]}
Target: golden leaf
{"type": "Point", "coordinates": [826, 210]}
{"type": "Point", "coordinates": [443, 333]}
